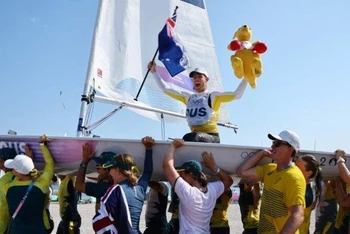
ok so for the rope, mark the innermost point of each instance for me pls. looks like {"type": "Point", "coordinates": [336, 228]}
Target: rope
{"type": "Point", "coordinates": [102, 120]}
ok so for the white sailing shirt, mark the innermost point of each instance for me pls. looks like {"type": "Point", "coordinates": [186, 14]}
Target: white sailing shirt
{"type": "Point", "coordinates": [198, 111]}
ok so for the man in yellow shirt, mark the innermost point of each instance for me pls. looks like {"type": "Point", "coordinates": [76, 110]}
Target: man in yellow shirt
{"type": "Point", "coordinates": [202, 106]}
{"type": "Point", "coordinates": [283, 197]}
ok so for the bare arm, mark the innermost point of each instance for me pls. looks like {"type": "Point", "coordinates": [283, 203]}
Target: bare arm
{"type": "Point", "coordinates": [294, 221]}
{"type": "Point", "coordinates": [247, 169]}
{"type": "Point", "coordinates": [80, 180]}
{"type": "Point", "coordinates": [209, 162]}
{"type": "Point", "coordinates": [343, 170]}
{"type": "Point", "coordinates": [168, 162]}
{"type": "Point", "coordinates": [342, 198]}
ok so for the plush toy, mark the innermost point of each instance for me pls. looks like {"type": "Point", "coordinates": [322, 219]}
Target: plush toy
{"type": "Point", "coordinates": [246, 61]}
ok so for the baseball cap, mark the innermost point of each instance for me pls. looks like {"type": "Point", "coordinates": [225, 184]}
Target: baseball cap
{"type": "Point", "coordinates": [103, 158]}
{"type": "Point", "coordinates": [7, 153]}
{"type": "Point", "coordinates": [191, 166]}
{"type": "Point", "coordinates": [288, 136]}
{"type": "Point", "coordinates": [115, 163]}
{"type": "Point", "coordinates": [21, 163]}
{"type": "Point", "coordinates": [199, 70]}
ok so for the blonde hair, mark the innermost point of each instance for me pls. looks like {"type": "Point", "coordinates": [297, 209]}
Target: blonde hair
{"type": "Point", "coordinates": [34, 173]}
{"type": "Point", "coordinates": [128, 161]}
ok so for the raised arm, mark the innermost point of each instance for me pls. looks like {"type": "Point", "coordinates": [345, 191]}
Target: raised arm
{"type": "Point", "coordinates": [247, 169]}
{"type": "Point", "coordinates": [220, 97]}
{"type": "Point", "coordinates": [343, 170]}
{"type": "Point", "coordinates": [182, 97]}
{"type": "Point", "coordinates": [168, 161]}
{"type": "Point", "coordinates": [209, 162]}
{"type": "Point", "coordinates": [87, 155]}
{"type": "Point", "coordinates": [148, 142]}
{"type": "Point", "coordinates": [46, 176]}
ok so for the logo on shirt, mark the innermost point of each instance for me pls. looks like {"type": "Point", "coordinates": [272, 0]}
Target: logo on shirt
{"type": "Point", "coordinates": [194, 112]}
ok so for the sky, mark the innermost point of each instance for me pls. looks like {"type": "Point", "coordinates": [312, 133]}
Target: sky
{"type": "Point", "coordinates": [44, 53]}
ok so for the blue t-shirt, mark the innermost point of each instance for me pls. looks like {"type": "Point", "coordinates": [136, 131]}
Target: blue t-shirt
{"type": "Point", "coordinates": [135, 195]}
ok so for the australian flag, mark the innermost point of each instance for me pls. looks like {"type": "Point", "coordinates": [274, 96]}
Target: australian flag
{"type": "Point", "coordinates": [171, 51]}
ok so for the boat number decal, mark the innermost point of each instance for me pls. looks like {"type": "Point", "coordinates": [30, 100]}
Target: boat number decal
{"type": "Point", "coordinates": [332, 162]}
{"type": "Point", "coordinates": [18, 146]}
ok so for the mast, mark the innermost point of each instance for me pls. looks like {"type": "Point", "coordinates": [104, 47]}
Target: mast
{"type": "Point", "coordinates": [85, 97]}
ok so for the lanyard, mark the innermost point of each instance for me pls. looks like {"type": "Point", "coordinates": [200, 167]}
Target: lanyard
{"type": "Point", "coordinates": [23, 200]}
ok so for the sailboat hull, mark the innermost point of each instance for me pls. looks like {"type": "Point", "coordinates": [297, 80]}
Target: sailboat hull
{"type": "Point", "coordinates": [67, 153]}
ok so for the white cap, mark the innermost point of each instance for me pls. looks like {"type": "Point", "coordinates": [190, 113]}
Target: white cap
{"type": "Point", "coordinates": [21, 163]}
{"type": "Point", "coordinates": [288, 136]}
{"type": "Point", "coordinates": [199, 70]}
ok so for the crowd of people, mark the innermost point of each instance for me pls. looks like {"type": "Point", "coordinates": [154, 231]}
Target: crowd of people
{"type": "Point", "coordinates": [274, 198]}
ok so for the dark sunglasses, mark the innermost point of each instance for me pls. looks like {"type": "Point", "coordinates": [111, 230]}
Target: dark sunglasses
{"type": "Point", "coordinates": [279, 143]}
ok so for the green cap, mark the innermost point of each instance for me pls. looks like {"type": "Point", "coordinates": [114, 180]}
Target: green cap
{"type": "Point", "coordinates": [191, 166]}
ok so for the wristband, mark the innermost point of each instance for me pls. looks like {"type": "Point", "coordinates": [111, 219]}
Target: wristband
{"type": "Point", "coordinates": [217, 170]}
{"type": "Point", "coordinates": [42, 143]}
{"type": "Point", "coordinates": [341, 160]}
{"type": "Point", "coordinates": [82, 165]}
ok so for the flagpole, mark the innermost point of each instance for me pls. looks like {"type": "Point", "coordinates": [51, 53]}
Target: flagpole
{"type": "Point", "coordinates": [144, 79]}
{"type": "Point", "coordinates": [154, 57]}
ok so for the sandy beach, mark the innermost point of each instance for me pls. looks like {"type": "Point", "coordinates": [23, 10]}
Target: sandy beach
{"type": "Point", "coordinates": [87, 211]}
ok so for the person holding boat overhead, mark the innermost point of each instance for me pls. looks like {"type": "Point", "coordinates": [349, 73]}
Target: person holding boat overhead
{"type": "Point", "coordinates": [283, 197]}
{"type": "Point", "coordinates": [202, 106]}
{"type": "Point", "coordinates": [121, 206]}
{"type": "Point", "coordinates": [197, 196]}
{"type": "Point", "coordinates": [26, 195]}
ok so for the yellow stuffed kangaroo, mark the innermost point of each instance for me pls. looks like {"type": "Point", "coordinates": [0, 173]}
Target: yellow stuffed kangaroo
{"type": "Point", "coordinates": [246, 61]}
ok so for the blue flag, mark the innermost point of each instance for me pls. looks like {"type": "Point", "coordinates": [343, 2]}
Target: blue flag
{"type": "Point", "coordinates": [171, 51]}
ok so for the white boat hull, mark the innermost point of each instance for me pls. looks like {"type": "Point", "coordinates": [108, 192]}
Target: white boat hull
{"type": "Point", "coordinates": [67, 153]}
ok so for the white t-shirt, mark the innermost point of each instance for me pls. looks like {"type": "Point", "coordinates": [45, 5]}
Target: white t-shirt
{"type": "Point", "coordinates": [196, 207]}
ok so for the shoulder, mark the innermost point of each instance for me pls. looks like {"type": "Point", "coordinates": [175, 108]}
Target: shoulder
{"type": "Point", "coordinates": [295, 175]}
{"type": "Point", "coordinates": [216, 185]}
{"type": "Point", "coordinates": [165, 189]}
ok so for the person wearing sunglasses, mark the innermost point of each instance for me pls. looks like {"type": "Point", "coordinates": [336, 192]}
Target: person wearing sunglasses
{"type": "Point", "coordinates": [121, 206]}
{"type": "Point", "coordinates": [104, 180]}
{"type": "Point", "coordinates": [283, 197]}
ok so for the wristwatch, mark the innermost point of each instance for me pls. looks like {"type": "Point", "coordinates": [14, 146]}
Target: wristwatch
{"type": "Point", "coordinates": [82, 165]}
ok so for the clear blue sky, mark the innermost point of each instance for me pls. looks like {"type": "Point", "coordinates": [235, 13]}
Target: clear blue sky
{"type": "Point", "coordinates": [45, 45]}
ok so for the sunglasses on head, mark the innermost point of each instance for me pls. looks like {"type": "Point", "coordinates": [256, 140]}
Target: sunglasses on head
{"type": "Point", "coordinates": [279, 143]}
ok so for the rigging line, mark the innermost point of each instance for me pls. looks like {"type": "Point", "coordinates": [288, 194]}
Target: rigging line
{"type": "Point", "coordinates": [102, 120]}
{"type": "Point", "coordinates": [63, 105]}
